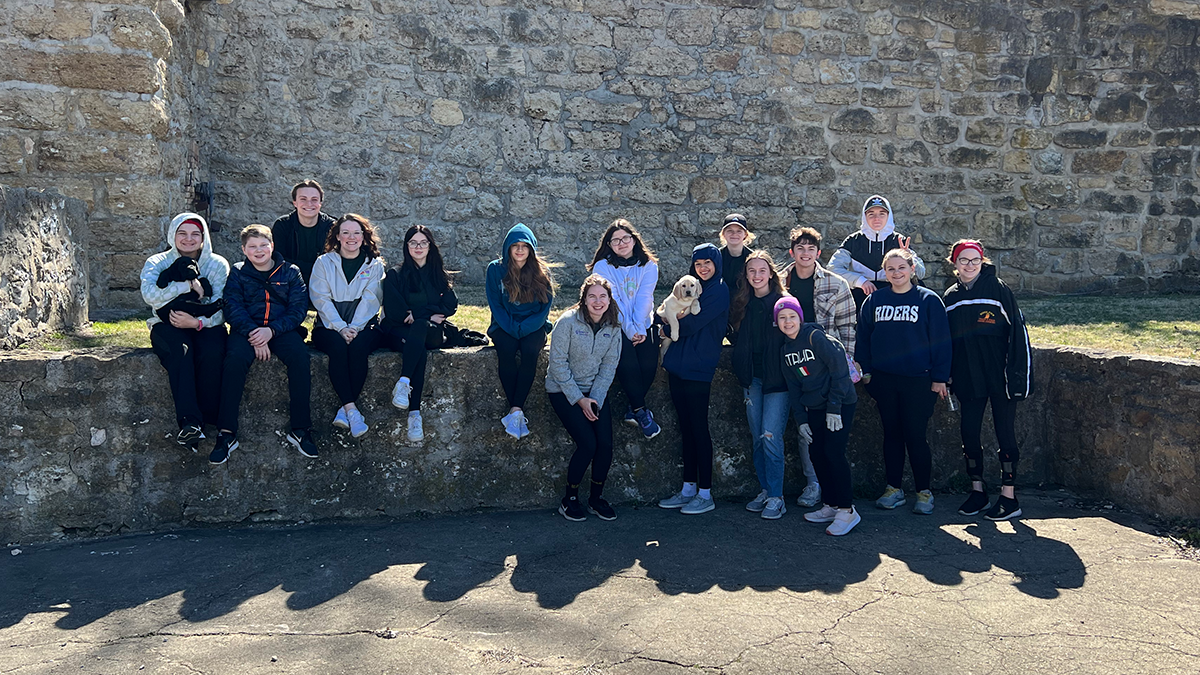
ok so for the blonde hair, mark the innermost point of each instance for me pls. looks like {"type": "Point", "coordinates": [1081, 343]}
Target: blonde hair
{"type": "Point", "coordinates": [905, 255]}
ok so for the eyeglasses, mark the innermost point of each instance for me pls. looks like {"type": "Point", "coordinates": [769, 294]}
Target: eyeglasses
{"type": "Point", "coordinates": [969, 261]}
{"type": "Point", "coordinates": [412, 243]}
{"type": "Point", "coordinates": [620, 241]}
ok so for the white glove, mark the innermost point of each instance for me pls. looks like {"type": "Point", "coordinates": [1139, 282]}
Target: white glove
{"type": "Point", "coordinates": [833, 422]}
{"type": "Point", "coordinates": [806, 432]}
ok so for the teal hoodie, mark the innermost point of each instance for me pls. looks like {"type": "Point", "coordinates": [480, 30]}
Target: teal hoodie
{"type": "Point", "coordinates": [518, 320]}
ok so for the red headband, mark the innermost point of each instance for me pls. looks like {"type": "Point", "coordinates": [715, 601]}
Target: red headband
{"type": "Point", "coordinates": [966, 245]}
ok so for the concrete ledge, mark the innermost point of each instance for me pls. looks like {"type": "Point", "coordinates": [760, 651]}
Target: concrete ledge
{"type": "Point", "coordinates": [87, 445]}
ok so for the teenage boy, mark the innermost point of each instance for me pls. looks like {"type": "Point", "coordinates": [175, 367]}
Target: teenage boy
{"type": "Point", "coordinates": [826, 300]}
{"type": "Point", "coordinates": [265, 301]}
{"type": "Point", "coordinates": [300, 235]}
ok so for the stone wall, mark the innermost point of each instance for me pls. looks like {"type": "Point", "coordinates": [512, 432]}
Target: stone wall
{"type": "Point", "coordinates": [43, 264]}
{"type": "Point", "coordinates": [92, 104]}
{"type": "Point", "coordinates": [87, 445]}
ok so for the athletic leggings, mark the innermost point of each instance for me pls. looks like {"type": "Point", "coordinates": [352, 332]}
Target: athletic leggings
{"type": "Point", "coordinates": [347, 361]}
{"type": "Point", "coordinates": [193, 361]}
{"type": "Point", "coordinates": [905, 406]}
{"type": "Point", "coordinates": [828, 451]}
{"type": "Point", "coordinates": [691, 409]}
{"type": "Point", "coordinates": [593, 440]}
{"type": "Point", "coordinates": [414, 341]}
{"type": "Point", "coordinates": [1004, 417]}
{"type": "Point", "coordinates": [636, 369]}
{"type": "Point", "coordinates": [517, 378]}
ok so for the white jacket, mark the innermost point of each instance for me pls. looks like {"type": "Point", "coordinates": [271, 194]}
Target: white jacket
{"type": "Point", "coordinates": [633, 290]}
{"type": "Point", "coordinates": [212, 267]}
{"type": "Point", "coordinates": [327, 287]}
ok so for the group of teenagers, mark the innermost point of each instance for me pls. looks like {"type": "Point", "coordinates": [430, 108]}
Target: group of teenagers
{"type": "Point", "coordinates": [802, 335]}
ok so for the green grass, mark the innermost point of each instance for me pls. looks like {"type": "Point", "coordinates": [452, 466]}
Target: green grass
{"type": "Point", "coordinates": [1165, 325]}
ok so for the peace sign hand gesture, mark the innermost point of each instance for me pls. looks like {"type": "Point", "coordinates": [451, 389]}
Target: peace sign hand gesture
{"type": "Point", "coordinates": [904, 242]}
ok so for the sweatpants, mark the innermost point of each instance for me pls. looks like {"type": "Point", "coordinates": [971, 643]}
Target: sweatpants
{"type": "Point", "coordinates": [414, 341]}
{"type": "Point", "coordinates": [828, 451]}
{"type": "Point", "coordinates": [516, 378]}
{"type": "Point", "coordinates": [193, 361]}
{"type": "Point", "coordinates": [347, 361]}
{"type": "Point", "coordinates": [691, 410]}
{"type": "Point", "coordinates": [1004, 418]}
{"type": "Point", "coordinates": [593, 440]}
{"type": "Point", "coordinates": [290, 349]}
{"type": "Point", "coordinates": [636, 370]}
{"type": "Point", "coordinates": [905, 406]}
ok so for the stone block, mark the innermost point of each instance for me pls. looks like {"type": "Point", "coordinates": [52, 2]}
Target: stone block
{"type": "Point", "coordinates": [1170, 162]}
{"type": "Point", "coordinates": [692, 27]}
{"type": "Point", "coordinates": [588, 60]}
{"type": "Point", "coordinates": [656, 140]}
{"type": "Point", "coordinates": [705, 107]}
{"type": "Point", "coordinates": [996, 183]}
{"type": "Point", "coordinates": [968, 106]}
{"type": "Point", "coordinates": [1017, 161]}
{"type": "Point", "coordinates": [660, 62]}
{"type": "Point", "coordinates": [1081, 138]}
{"type": "Point", "coordinates": [61, 22]}
{"type": "Point", "coordinates": [585, 109]}
{"type": "Point", "coordinates": [446, 112]}
{"type": "Point", "coordinates": [659, 188]}
{"type": "Point", "coordinates": [582, 29]}
{"type": "Point", "coordinates": [1060, 109]}
{"type": "Point", "coordinates": [903, 154]}
{"type": "Point", "coordinates": [886, 97]}
{"type": "Point", "coordinates": [80, 69]}
{"type": "Point", "coordinates": [973, 158]}
{"type": "Point", "coordinates": [98, 153]}
{"type": "Point", "coordinates": [33, 109]}
{"type": "Point", "coordinates": [850, 151]}
{"type": "Point", "coordinates": [824, 43]}
{"type": "Point", "coordinates": [788, 43]}
{"type": "Point", "coordinates": [1049, 193]}
{"type": "Point", "coordinates": [115, 112]}
{"type": "Point", "coordinates": [524, 205]}
{"type": "Point", "coordinates": [141, 233]}
{"type": "Point", "coordinates": [1098, 161]}
{"type": "Point", "coordinates": [136, 28]}
{"type": "Point", "coordinates": [143, 197]}
{"type": "Point", "coordinates": [916, 28]}
{"type": "Point", "coordinates": [1003, 230]}
{"type": "Point", "coordinates": [1048, 162]}
{"type": "Point", "coordinates": [594, 140]}
{"type": "Point", "coordinates": [705, 190]}
{"type": "Point", "coordinates": [1100, 200]}
{"type": "Point", "coordinates": [1030, 139]}
{"type": "Point", "coordinates": [987, 131]}
{"type": "Point", "coordinates": [939, 130]}
{"type": "Point", "coordinates": [1175, 112]}
{"type": "Point", "coordinates": [801, 142]}
{"type": "Point", "coordinates": [899, 49]}
{"type": "Point", "coordinates": [879, 25]}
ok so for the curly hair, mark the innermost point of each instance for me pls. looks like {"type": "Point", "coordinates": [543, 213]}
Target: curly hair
{"type": "Point", "coordinates": [610, 317]}
{"type": "Point", "coordinates": [370, 236]}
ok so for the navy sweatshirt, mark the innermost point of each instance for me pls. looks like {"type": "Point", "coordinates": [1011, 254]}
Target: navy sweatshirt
{"type": "Point", "coordinates": [694, 354]}
{"type": "Point", "coordinates": [816, 372]}
{"type": "Point", "coordinates": [904, 334]}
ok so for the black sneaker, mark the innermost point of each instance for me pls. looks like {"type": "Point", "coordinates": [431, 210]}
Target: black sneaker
{"type": "Point", "coordinates": [603, 511]}
{"type": "Point", "coordinates": [571, 509]}
{"type": "Point", "coordinates": [302, 440]}
{"type": "Point", "coordinates": [1005, 508]}
{"type": "Point", "coordinates": [226, 443]}
{"type": "Point", "coordinates": [976, 502]}
{"type": "Point", "coordinates": [189, 436]}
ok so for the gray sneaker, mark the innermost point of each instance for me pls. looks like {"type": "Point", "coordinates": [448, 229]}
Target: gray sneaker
{"type": "Point", "coordinates": [416, 432]}
{"type": "Point", "coordinates": [810, 497]}
{"type": "Point", "coordinates": [891, 498]}
{"type": "Point", "coordinates": [758, 504]}
{"type": "Point", "coordinates": [924, 505]}
{"type": "Point", "coordinates": [698, 505]}
{"type": "Point", "coordinates": [675, 501]}
{"type": "Point", "coordinates": [774, 509]}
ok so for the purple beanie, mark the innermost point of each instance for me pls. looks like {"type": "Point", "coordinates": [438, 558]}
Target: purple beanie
{"type": "Point", "coordinates": [787, 302]}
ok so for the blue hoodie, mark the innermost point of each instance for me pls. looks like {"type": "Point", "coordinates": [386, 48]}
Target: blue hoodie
{"type": "Point", "coordinates": [694, 354]}
{"type": "Point", "coordinates": [518, 320]}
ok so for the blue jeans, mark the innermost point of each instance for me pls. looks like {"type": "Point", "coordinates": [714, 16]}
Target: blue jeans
{"type": "Point", "coordinates": [768, 416]}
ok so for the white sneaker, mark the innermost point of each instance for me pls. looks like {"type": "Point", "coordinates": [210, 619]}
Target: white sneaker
{"type": "Point", "coordinates": [358, 425]}
{"type": "Point", "coordinates": [340, 420]}
{"type": "Point", "coordinates": [810, 497]}
{"type": "Point", "coordinates": [512, 424]}
{"type": "Point", "coordinates": [758, 504]}
{"type": "Point", "coordinates": [400, 393]}
{"type": "Point", "coordinates": [825, 515]}
{"type": "Point", "coordinates": [416, 432]}
{"type": "Point", "coordinates": [522, 426]}
{"type": "Point", "coordinates": [774, 508]}
{"type": "Point", "coordinates": [843, 522]}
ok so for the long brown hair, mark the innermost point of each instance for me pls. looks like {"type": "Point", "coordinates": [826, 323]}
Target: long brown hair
{"type": "Point", "coordinates": [370, 237]}
{"type": "Point", "coordinates": [641, 252]}
{"type": "Point", "coordinates": [530, 282]}
{"type": "Point", "coordinates": [741, 298]}
{"type": "Point", "coordinates": [610, 316]}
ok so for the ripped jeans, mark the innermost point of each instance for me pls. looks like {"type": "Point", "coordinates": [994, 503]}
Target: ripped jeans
{"type": "Point", "coordinates": [768, 416]}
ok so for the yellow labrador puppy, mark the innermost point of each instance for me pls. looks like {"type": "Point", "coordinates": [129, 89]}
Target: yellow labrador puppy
{"type": "Point", "coordinates": [685, 297]}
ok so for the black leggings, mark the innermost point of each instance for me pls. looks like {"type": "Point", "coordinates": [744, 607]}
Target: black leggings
{"type": "Point", "coordinates": [593, 440]}
{"type": "Point", "coordinates": [1004, 418]}
{"type": "Point", "coordinates": [290, 349]}
{"type": "Point", "coordinates": [517, 378]}
{"type": "Point", "coordinates": [636, 369]}
{"type": "Point", "coordinates": [691, 409]}
{"type": "Point", "coordinates": [414, 341]}
{"type": "Point", "coordinates": [347, 361]}
{"type": "Point", "coordinates": [828, 452]}
{"type": "Point", "coordinates": [193, 361]}
{"type": "Point", "coordinates": [905, 406]}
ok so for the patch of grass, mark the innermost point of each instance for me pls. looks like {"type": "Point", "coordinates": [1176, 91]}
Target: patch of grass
{"type": "Point", "coordinates": [130, 332]}
{"type": "Point", "coordinates": [1166, 325]}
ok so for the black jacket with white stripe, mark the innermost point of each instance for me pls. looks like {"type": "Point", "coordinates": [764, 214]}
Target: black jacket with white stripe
{"type": "Point", "coordinates": [991, 345]}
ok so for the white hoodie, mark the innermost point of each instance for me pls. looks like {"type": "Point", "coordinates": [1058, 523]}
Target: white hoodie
{"type": "Point", "coordinates": [212, 267]}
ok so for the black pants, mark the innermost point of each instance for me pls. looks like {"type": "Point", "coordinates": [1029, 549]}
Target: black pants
{"type": "Point", "coordinates": [636, 369]}
{"type": "Point", "coordinates": [828, 452]}
{"type": "Point", "coordinates": [347, 361]}
{"type": "Point", "coordinates": [593, 440]}
{"type": "Point", "coordinates": [290, 349]}
{"type": "Point", "coordinates": [905, 406]}
{"type": "Point", "coordinates": [1004, 418]}
{"type": "Point", "coordinates": [193, 361]}
{"type": "Point", "coordinates": [517, 377]}
{"type": "Point", "coordinates": [691, 409]}
{"type": "Point", "coordinates": [414, 341]}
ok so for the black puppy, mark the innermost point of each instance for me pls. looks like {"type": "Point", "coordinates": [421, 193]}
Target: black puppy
{"type": "Point", "coordinates": [186, 269]}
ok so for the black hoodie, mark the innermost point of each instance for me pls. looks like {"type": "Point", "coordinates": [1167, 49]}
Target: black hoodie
{"type": "Point", "coordinates": [991, 345]}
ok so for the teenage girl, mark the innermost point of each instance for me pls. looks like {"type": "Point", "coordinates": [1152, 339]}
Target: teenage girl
{"type": "Point", "coordinates": [691, 363]}
{"type": "Point", "coordinates": [519, 292]}
{"type": "Point", "coordinates": [823, 398]}
{"type": "Point", "coordinates": [585, 347]}
{"type": "Point", "coordinates": [736, 238]}
{"type": "Point", "coordinates": [860, 259]}
{"type": "Point", "coordinates": [417, 298]}
{"type": "Point", "coordinates": [904, 350]}
{"type": "Point", "coordinates": [345, 288]}
{"type": "Point", "coordinates": [756, 364]}
{"type": "Point", "coordinates": [632, 272]}
{"type": "Point", "coordinates": [991, 362]}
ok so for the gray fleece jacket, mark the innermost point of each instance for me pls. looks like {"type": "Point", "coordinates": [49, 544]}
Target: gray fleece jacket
{"type": "Point", "coordinates": [582, 362]}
